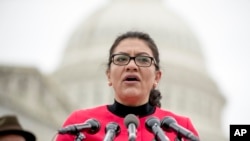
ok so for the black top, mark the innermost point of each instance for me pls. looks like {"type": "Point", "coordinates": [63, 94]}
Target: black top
{"type": "Point", "coordinates": [122, 110]}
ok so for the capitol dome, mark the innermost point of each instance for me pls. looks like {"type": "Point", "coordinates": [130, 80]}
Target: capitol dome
{"type": "Point", "coordinates": [186, 86]}
{"type": "Point", "coordinates": [119, 16]}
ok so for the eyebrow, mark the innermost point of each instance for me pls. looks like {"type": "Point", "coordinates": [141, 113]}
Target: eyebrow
{"type": "Point", "coordinates": [137, 54]}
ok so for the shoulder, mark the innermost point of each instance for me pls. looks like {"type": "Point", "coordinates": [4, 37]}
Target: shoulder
{"type": "Point", "coordinates": [80, 115]}
{"type": "Point", "coordinates": [91, 111]}
{"type": "Point", "coordinates": [180, 119]}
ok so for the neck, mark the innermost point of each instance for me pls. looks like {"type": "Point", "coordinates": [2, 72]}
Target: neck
{"type": "Point", "coordinates": [123, 110]}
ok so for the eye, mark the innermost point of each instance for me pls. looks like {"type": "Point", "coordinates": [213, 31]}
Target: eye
{"type": "Point", "coordinates": [121, 58]}
{"type": "Point", "coordinates": [143, 59]}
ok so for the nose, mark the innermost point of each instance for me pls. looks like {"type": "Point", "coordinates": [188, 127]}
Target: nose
{"type": "Point", "coordinates": [131, 65]}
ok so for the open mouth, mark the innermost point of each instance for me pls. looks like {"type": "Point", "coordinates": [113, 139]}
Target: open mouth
{"type": "Point", "coordinates": [131, 78]}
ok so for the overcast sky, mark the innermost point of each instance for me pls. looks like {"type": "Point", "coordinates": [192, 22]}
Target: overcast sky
{"type": "Point", "coordinates": [35, 32]}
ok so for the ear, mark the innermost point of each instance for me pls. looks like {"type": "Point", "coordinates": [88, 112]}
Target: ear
{"type": "Point", "coordinates": [158, 74]}
{"type": "Point", "coordinates": [108, 74]}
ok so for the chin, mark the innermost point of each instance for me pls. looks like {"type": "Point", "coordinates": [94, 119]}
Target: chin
{"type": "Point", "coordinates": [132, 92]}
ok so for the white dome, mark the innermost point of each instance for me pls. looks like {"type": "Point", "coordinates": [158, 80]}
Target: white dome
{"type": "Point", "coordinates": [97, 33]}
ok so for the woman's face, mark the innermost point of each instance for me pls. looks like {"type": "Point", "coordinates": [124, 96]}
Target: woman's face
{"type": "Point", "coordinates": [132, 84]}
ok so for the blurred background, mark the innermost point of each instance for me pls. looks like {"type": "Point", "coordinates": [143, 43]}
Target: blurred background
{"type": "Point", "coordinates": [52, 53]}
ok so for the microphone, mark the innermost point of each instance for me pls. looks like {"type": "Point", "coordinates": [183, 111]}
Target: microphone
{"type": "Point", "coordinates": [131, 122]}
{"type": "Point", "coordinates": [153, 125]}
{"type": "Point", "coordinates": [91, 126]}
{"type": "Point", "coordinates": [112, 129]}
{"type": "Point", "coordinates": [169, 123]}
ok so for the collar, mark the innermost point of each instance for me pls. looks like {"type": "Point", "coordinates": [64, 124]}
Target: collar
{"type": "Point", "coordinates": [123, 110]}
